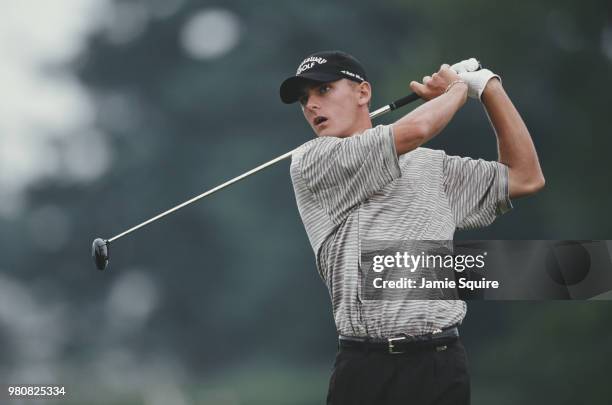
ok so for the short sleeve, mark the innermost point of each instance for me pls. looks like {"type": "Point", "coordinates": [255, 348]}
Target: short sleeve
{"type": "Point", "coordinates": [477, 190]}
{"type": "Point", "coordinates": [343, 172]}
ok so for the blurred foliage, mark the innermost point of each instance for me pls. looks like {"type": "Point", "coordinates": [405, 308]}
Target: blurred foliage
{"type": "Point", "coordinates": [240, 306]}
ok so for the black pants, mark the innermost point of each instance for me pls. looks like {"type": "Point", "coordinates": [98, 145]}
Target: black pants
{"type": "Point", "coordinates": [424, 377]}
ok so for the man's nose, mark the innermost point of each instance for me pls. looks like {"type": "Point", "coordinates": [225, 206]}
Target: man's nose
{"type": "Point", "coordinates": [312, 103]}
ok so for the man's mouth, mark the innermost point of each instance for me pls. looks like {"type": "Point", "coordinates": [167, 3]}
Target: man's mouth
{"type": "Point", "coordinates": [319, 120]}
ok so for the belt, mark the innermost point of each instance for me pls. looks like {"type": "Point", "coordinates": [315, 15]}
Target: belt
{"type": "Point", "coordinates": [402, 342]}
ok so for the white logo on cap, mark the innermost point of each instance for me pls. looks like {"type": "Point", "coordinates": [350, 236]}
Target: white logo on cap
{"type": "Point", "coordinates": [346, 72]}
{"type": "Point", "coordinates": [309, 63]}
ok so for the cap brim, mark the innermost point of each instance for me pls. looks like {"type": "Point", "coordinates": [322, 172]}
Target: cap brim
{"type": "Point", "coordinates": [291, 89]}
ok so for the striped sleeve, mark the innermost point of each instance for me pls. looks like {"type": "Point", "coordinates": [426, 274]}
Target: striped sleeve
{"type": "Point", "coordinates": [477, 190]}
{"type": "Point", "coordinates": [343, 172]}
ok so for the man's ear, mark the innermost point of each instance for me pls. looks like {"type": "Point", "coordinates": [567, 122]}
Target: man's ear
{"type": "Point", "coordinates": [365, 93]}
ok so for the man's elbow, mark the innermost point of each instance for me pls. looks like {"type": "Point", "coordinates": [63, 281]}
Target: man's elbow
{"type": "Point", "coordinates": [525, 185]}
{"type": "Point", "coordinates": [534, 185]}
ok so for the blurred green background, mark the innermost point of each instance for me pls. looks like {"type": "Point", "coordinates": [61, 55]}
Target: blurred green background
{"type": "Point", "coordinates": [113, 111]}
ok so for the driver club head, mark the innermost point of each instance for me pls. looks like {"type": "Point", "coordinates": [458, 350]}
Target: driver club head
{"type": "Point", "coordinates": [99, 253]}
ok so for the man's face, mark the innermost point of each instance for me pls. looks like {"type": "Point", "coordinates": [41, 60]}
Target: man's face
{"type": "Point", "coordinates": [333, 108]}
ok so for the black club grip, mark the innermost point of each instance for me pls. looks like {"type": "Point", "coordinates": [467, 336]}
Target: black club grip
{"type": "Point", "coordinates": [403, 101]}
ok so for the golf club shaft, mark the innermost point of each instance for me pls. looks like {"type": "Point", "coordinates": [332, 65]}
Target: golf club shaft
{"type": "Point", "coordinates": [207, 193]}
{"type": "Point", "coordinates": [383, 110]}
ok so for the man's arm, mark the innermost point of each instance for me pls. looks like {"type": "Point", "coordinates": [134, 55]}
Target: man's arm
{"type": "Point", "coordinates": [515, 147]}
{"type": "Point", "coordinates": [426, 121]}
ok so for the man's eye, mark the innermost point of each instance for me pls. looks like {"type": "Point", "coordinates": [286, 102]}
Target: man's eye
{"type": "Point", "coordinates": [324, 89]}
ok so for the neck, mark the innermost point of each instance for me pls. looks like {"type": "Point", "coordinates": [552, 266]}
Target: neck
{"type": "Point", "coordinates": [362, 123]}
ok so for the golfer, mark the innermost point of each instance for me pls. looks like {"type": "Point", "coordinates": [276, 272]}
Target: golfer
{"type": "Point", "coordinates": [355, 182]}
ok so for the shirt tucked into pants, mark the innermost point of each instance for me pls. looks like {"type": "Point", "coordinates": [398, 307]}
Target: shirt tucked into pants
{"type": "Point", "coordinates": [354, 191]}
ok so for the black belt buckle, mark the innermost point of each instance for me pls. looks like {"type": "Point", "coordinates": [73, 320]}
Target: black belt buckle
{"type": "Point", "coordinates": [396, 339]}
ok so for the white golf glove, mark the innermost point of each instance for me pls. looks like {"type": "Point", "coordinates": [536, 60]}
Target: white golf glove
{"type": "Point", "coordinates": [468, 65]}
{"type": "Point", "coordinates": [476, 79]}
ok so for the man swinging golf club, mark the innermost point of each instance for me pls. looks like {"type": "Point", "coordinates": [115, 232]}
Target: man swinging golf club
{"type": "Point", "coordinates": [355, 182]}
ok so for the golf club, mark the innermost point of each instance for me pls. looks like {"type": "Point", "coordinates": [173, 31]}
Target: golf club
{"type": "Point", "coordinates": [100, 247]}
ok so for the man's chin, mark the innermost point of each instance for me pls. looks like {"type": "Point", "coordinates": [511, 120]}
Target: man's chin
{"type": "Point", "coordinates": [325, 131]}
{"type": "Point", "coordinates": [319, 132]}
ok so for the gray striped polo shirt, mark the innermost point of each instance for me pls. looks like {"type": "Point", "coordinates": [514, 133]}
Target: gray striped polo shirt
{"type": "Point", "coordinates": [353, 189]}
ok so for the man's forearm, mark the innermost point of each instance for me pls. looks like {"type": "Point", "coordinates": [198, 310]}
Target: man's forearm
{"type": "Point", "coordinates": [515, 146]}
{"type": "Point", "coordinates": [426, 121]}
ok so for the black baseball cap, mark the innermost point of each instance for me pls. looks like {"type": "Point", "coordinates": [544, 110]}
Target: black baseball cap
{"type": "Point", "coordinates": [322, 67]}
